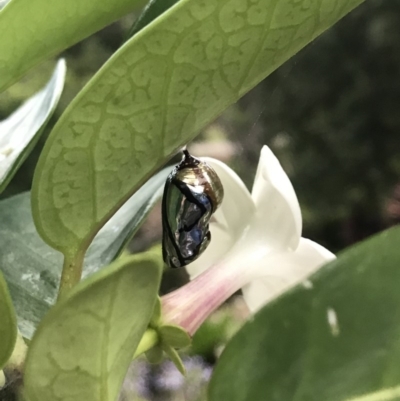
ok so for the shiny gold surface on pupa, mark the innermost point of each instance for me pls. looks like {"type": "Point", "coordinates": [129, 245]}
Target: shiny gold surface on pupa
{"type": "Point", "coordinates": [194, 172]}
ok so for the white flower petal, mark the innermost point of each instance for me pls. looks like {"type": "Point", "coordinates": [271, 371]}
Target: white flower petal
{"type": "Point", "coordinates": [283, 271]}
{"type": "Point", "coordinates": [229, 221]}
{"type": "Point", "coordinates": [313, 253]}
{"type": "Point", "coordinates": [278, 217]}
{"type": "Point", "coordinates": [237, 206]}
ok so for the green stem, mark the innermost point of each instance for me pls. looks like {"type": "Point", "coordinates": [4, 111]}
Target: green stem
{"type": "Point", "coordinates": [2, 379]}
{"type": "Point", "coordinates": [17, 358]}
{"type": "Point", "coordinates": [71, 273]}
{"type": "Point", "coordinates": [149, 340]}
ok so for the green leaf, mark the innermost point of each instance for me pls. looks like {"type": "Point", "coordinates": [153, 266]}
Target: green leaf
{"type": "Point", "coordinates": [32, 269]}
{"type": "Point", "coordinates": [174, 336]}
{"type": "Point", "coordinates": [156, 317]}
{"type": "Point", "coordinates": [335, 339]}
{"type": "Point", "coordinates": [84, 345]}
{"type": "Point", "coordinates": [34, 30]}
{"type": "Point", "coordinates": [20, 132]}
{"type": "Point", "coordinates": [175, 358]}
{"type": "Point", "coordinates": [155, 355]}
{"type": "Point", "coordinates": [153, 96]}
{"type": "Point", "coordinates": [8, 324]}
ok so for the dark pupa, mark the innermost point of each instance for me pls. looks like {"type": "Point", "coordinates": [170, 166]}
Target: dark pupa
{"type": "Point", "coordinates": [192, 193]}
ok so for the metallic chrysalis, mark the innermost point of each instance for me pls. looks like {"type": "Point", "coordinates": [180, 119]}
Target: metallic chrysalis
{"type": "Point", "coordinates": [192, 193]}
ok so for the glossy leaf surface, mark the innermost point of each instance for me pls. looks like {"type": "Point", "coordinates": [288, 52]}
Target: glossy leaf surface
{"type": "Point", "coordinates": [84, 345]}
{"type": "Point", "coordinates": [20, 131]}
{"type": "Point", "coordinates": [8, 323]}
{"type": "Point", "coordinates": [3, 3]}
{"type": "Point", "coordinates": [32, 268]}
{"type": "Point", "coordinates": [154, 95]}
{"type": "Point", "coordinates": [335, 338]}
{"type": "Point", "coordinates": [34, 30]}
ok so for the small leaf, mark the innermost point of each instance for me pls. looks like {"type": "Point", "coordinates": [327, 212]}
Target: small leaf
{"type": "Point", "coordinates": [34, 30]}
{"type": "Point", "coordinates": [20, 132]}
{"type": "Point", "coordinates": [155, 354]}
{"type": "Point", "coordinates": [336, 339]}
{"type": "Point", "coordinates": [32, 269]}
{"type": "Point", "coordinates": [153, 96]}
{"type": "Point", "coordinates": [8, 324]}
{"type": "Point", "coordinates": [174, 336]}
{"type": "Point", "coordinates": [175, 358]}
{"type": "Point", "coordinates": [84, 345]}
{"type": "Point", "coordinates": [149, 340]}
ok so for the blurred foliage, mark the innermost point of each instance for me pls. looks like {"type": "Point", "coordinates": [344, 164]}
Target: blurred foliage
{"type": "Point", "coordinates": [331, 116]}
{"type": "Point", "coordinates": [83, 61]}
{"type": "Point", "coordinates": [209, 336]}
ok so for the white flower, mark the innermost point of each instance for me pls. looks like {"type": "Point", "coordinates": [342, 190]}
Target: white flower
{"type": "Point", "coordinates": [256, 245]}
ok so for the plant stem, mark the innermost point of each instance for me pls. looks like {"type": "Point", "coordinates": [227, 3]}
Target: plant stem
{"type": "Point", "coordinates": [17, 358]}
{"type": "Point", "coordinates": [71, 273]}
{"type": "Point", "coordinates": [2, 379]}
{"type": "Point", "coordinates": [148, 341]}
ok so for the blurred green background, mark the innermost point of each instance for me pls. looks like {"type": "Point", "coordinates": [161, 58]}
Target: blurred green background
{"type": "Point", "coordinates": [332, 116]}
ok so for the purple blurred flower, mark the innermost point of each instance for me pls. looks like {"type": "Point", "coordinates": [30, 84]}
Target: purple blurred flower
{"type": "Point", "coordinates": [137, 380]}
{"type": "Point", "coordinates": [198, 374]}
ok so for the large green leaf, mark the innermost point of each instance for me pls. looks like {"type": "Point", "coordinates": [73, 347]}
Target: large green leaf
{"type": "Point", "coordinates": [154, 95]}
{"type": "Point", "coordinates": [337, 338]}
{"type": "Point", "coordinates": [34, 30]}
{"type": "Point", "coordinates": [8, 323]}
{"type": "Point", "coordinates": [20, 132]}
{"type": "Point", "coordinates": [32, 269]}
{"type": "Point", "coordinates": [84, 345]}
